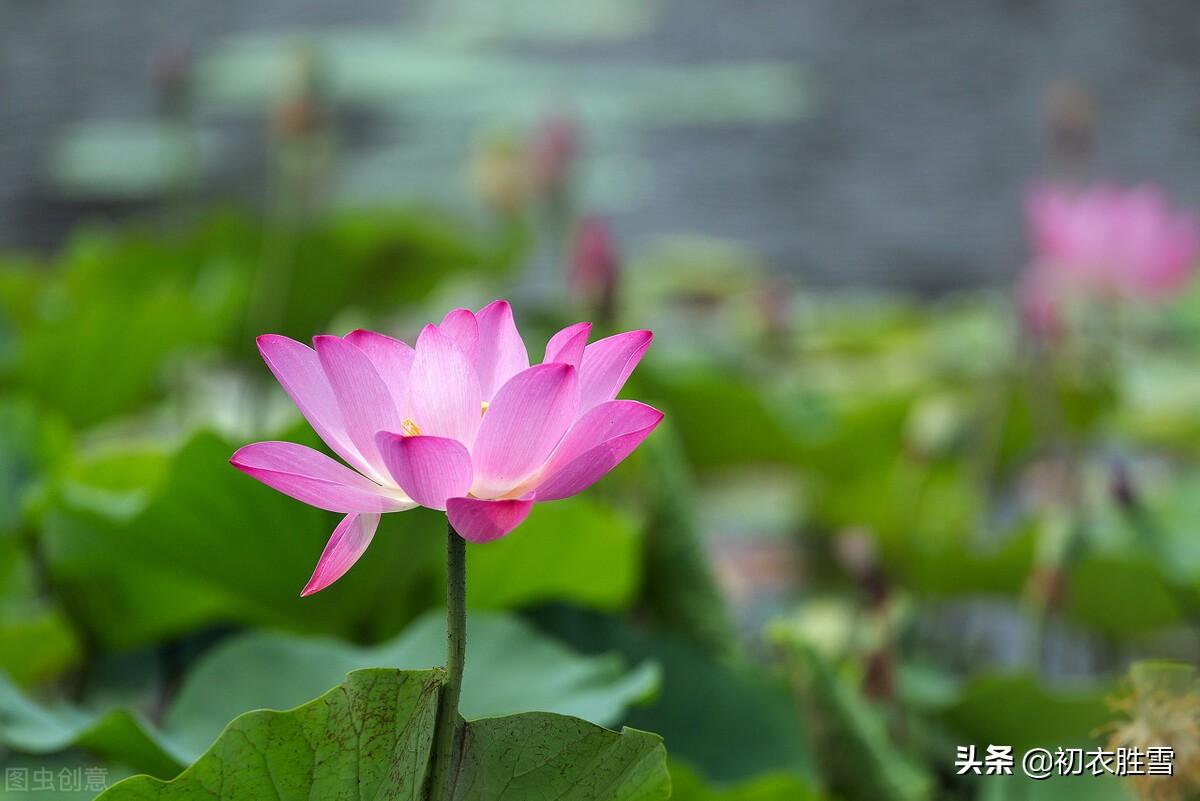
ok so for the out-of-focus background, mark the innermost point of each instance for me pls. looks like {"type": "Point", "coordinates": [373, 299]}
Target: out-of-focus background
{"type": "Point", "coordinates": [845, 142]}
{"type": "Point", "coordinates": [921, 282]}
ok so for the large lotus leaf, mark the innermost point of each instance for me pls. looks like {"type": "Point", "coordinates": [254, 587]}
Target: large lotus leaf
{"type": "Point", "coordinates": [1055, 788]}
{"type": "Point", "coordinates": [924, 517]}
{"type": "Point", "coordinates": [30, 445]}
{"type": "Point", "coordinates": [856, 456]}
{"type": "Point", "coordinates": [95, 354]}
{"type": "Point", "coordinates": [118, 736]}
{"type": "Point", "coordinates": [747, 722]}
{"type": "Point", "coordinates": [683, 595]}
{"type": "Point", "coordinates": [934, 507]}
{"type": "Point", "coordinates": [1086, 398]}
{"type": "Point", "coordinates": [98, 337]}
{"type": "Point", "coordinates": [147, 547]}
{"type": "Point", "coordinates": [1142, 569]}
{"type": "Point", "coordinates": [16, 577]}
{"type": "Point", "coordinates": [383, 261]}
{"type": "Point", "coordinates": [37, 642]}
{"type": "Point", "coordinates": [143, 549]}
{"type": "Point", "coordinates": [959, 568]}
{"type": "Point", "coordinates": [1160, 396]}
{"type": "Point", "coordinates": [577, 550]}
{"type": "Point", "coordinates": [721, 419]}
{"type": "Point", "coordinates": [371, 737]}
{"type": "Point", "coordinates": [1122, 596]}
{"type": "Point", "coordinates": [845, 434]}
{"type": "Point", "coordinates": [510, 667]}
{"type": "Point", "coordinates": [688, 785]}
{"type": "Point", "coordinates": [1017, 710]}
{"type": "Point", "coordinates": [21, 281]}
{"type": "Point", "coordinates": [1166, 522]}
{"type": "Point", "coordinates": [858, 754]}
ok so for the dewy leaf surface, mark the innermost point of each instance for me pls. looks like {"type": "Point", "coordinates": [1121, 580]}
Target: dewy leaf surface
{"type": "Point", "coordinates": [370, 738]}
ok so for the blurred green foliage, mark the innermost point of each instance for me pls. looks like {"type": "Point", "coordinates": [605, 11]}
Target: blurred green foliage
{"type": "Point", "coordinates": [319, 747]}
{"type": "Point", "coordinates": [987, 530]}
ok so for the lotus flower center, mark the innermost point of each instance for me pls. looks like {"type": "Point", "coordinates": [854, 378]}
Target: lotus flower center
{"type": "Point", "coordinates": [409, 428]}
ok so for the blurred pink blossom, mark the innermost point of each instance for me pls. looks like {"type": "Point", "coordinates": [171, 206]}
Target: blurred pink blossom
{"type": "Point", "coordinates": [1108, 241]}
{"type": "Point", "coordinates": [1040, 305]}
{"type": "Point", "coordinates": [460, 423]}
{"type": "Point", "coordinates": [595, 265]}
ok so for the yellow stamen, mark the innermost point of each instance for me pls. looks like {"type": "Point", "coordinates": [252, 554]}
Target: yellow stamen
{"type": "Point", "coordinates": [409, 428]}
{"type": "Point", "coordinates": [485, 408]}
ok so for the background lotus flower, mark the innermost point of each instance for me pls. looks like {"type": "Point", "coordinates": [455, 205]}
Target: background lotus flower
{"type": "Point", "coordinates": [1111, 242]}
{"type": "Point", "coordinates": [1039, 302]}
{"type": "Point", "coordinates": [461, 423]}
{"type": "Point", "coordinates": [595, 266]}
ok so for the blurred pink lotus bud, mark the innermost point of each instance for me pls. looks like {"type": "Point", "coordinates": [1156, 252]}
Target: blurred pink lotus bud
{"type": "Point", "coordinates": [170, 64]}
{"type": "Point", "coordinates": [595, 266]}
{"type": "Point", "coordinates": [1070, 120]}
{"type": "Point", "coordinates": [1110, 241]}
{"type": "Point", "coordinates": [552, 153]}
{"type": "Point", "coordinates": [1121, 486]}
{"type": "Point", "coordinates": [1040, 304]}
{"type": "Point", "coordinates": [300, 111]}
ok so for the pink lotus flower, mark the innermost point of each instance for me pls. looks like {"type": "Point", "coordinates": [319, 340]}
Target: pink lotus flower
{"type": "Point", "coordinates": [461, 423]}
{"type": "Point", "coordinates": [1111, 242]}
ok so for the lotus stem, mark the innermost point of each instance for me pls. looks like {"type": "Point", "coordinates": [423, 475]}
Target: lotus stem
{"type": "Point", "coordinates": [448, 733]}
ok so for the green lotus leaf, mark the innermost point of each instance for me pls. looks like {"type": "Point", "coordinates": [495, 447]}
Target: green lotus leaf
{"type": "Point", "coordinates": [510, 667]}
{"type": "Point", "coordinates": [688, 785]}
{"type": "Point", "coordinates": [726, 717]}
{"type": "Point", "coordinates": [118, 735]}
{"type": "Point", "coordinates": [146, 547]}
{"type": "Point", "coordinates": [1020, 711]}
{"type": "Point", "coordinates": [372, 737]}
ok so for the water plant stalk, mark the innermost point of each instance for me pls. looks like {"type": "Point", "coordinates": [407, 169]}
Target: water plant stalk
{"type": "Point", "coordinates": [448, 732]}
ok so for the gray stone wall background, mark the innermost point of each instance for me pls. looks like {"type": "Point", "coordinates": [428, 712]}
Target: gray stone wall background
{"type": "Point", "coordinates": [907, 172]}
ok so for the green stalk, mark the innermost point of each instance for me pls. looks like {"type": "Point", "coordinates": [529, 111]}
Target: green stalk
{"type": "Point", "coordinates": [448, 733]}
